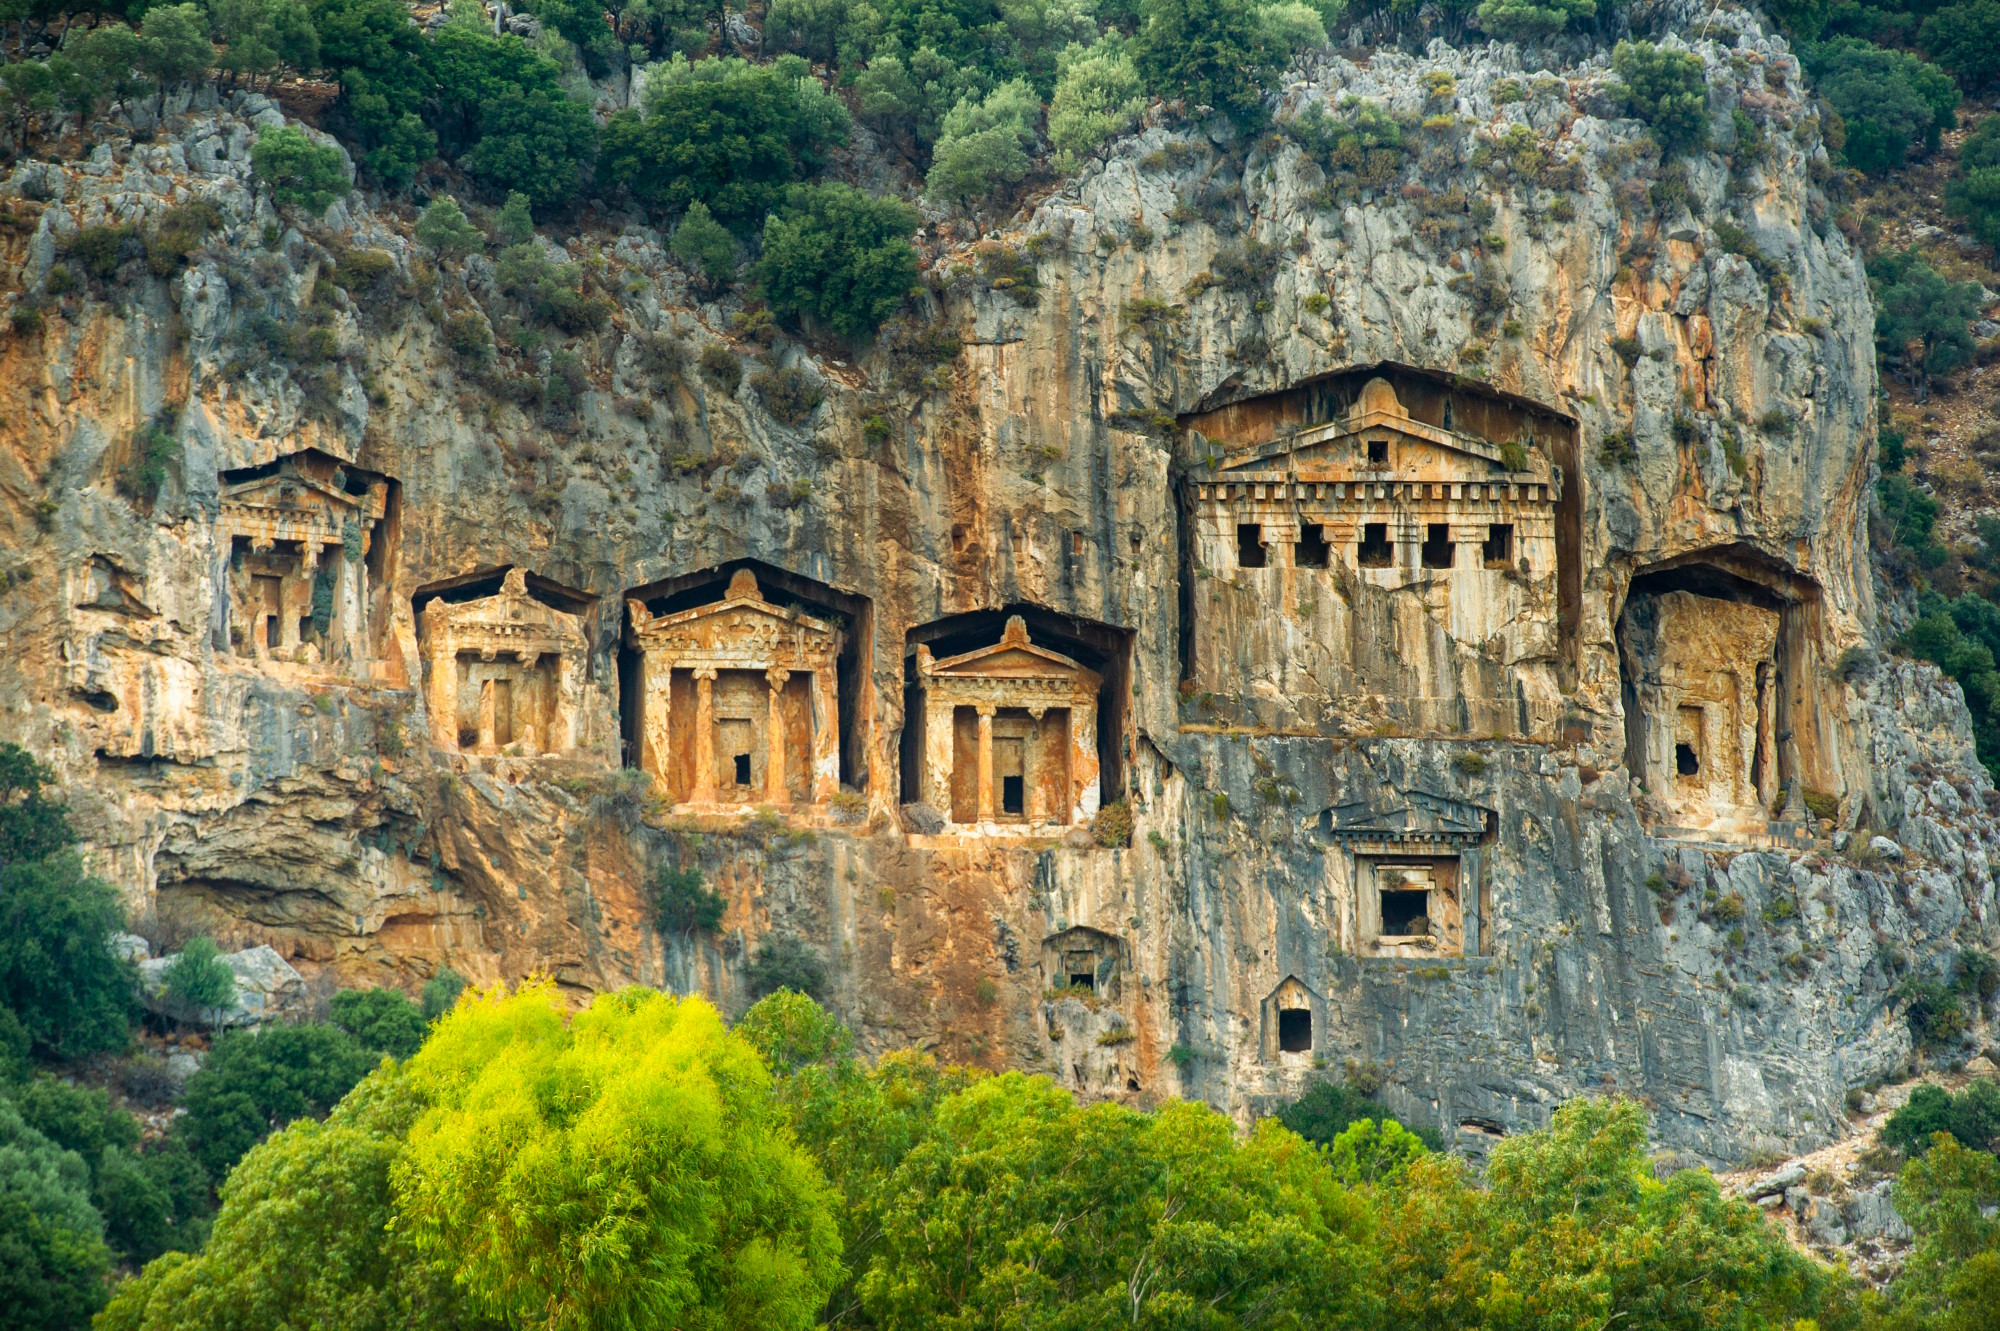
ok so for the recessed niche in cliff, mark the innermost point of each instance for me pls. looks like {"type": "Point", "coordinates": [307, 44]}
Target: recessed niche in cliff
{"type": "Point", "coordinates": [1406, 865]}
{"type": "Point", "coordinates": [745, 684]}
{"type": "Point", "coordinates": [1716, 652]}
{"type": "Point", "coordinates": [1379, 551]}
{"type": "Point", "coordinates": [506, 663]}
{"type": "Point", "coordinates": [1014, 719]}
{"type": "Point", "coordinates": [1288, 1018]}
{"type": "Point", "coordinates": [1084, 958]}
{"type": "Point", "coordinates": [310, 544]}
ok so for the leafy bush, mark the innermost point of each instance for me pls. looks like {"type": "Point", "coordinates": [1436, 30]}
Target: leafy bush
{"type": "Point", "coordinates": [683, 904]}
{"type": "Point", "coordinates": [1965, 40]}
{"type": "Point", "coordinates": [1667, 89]}
{"type": "Point", "coordinates": [1112, 827]}
{"type": "Point", "coordinates": [383, 1020]}
{"type": "Point", "coordinates": [67, 991]}
{"type": "Point", "coordinates": [255, 1081]}
{"type": "Point", "coordinates": [704, 242]}
{"type": "Point", "coordinates": [443, 227]}
{"type": "Point", "coordinates": [148, 1202]}
{"type": "Point", "coordinates": [1890, 102]}
{"type": "Point", "coordinates": [550, 292]}
{"type": "Point", "coordinates": [1098, 96]}
{"type": "Point", "coordinates": [1922, 320]}
{"type": "Point", "coordinates": [466, 334]}
{"type": "Point", "coordinates": [838, 257]}
{"type": "Point", "coordinates": [721, 367]}
{"type": "Point", "coordinates": [1530, 20]}
{"type": "Point", "coordinates": [1210, 52]}
{"type": "Point", "coordinates": [52, 1255]}
{"type": "Point", "coordinates": [381, 60]}
{"type": "Point", "coordinates": [725, 132]}
{"type": "Point", "coordinates": [441, 993]}
{"type": "Point", "coordinates": [789, 394]}
{"type": "Point", "coordinates": [199, 983]}
{"type": "Point", "coordinates": [299, 172]}
{"type": "Point", "coordinates": [1972, 1116]}
{"type": "Point", "coordinates": [784, 961]}
{"type": "Point", "coordinates": [984, 144]}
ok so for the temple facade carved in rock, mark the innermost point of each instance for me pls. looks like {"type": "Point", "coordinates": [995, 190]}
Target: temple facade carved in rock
{"type": "Point", "coordinates": [297, 536]}
{"type": "Point", "coordinates": [505, 673]}
{"type": "Point", "coordinates": [1010, 736]}
{"type": "Point", "coordinates": [739, 704]}
{"type": "Point", "coordinates": [1377, 573]}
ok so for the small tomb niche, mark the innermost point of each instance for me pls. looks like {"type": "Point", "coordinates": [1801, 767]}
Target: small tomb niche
{"type": "Point", "coordinates": [738, 701]}
{"type": "Point", "coordinates": [1014, 720]}
{"type": "Point", "coordinates": [1411, 862]}
{"type": "Point", "coordinates": [1710, 655]}
{"type": "Point", "coordinates": [306, 542]}
{"type": "Point", "coordinates": [1080, 958]}
{"type": "Point", "coordinates": [748, 621]}
{"type": "Point", "coordinates": [505, 668]}
{"type": "Point", "coordinates": [1291, 1014]}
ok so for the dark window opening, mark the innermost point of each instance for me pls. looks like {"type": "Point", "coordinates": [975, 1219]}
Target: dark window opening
{"type": "Point", "coordinates": [273, 635]}
{"type": "Point", "coordinates": [1295, 1031]}
{"type": "Point", "coordinates": [1010, 795]}
{"type": "Point", "coordinates": [742, 769]}
{"type": "Point", "coordinates": [1375, 551]}
{"type": "Point", "coordinates": [1083, 980]}
{"type": "Point", "coordinates": [1499, 548]}
{"type": "Point", "coordinates": [1437, 545]}
{"type": "Point", "coordinates": [1076, 542]}
{"type": "Point", "coordinates": [1249, 545]}
{"type": "Point", "coordinates": [1406, 914]}
{"type": "Point", "coordinates": [1378, 452]}
{"type": "Point", "coordinates": [1686, 761]}
{"type": "Point", "coordinates": [305, 628]}
{"type": "Point", "coordinates": [1312, 550]}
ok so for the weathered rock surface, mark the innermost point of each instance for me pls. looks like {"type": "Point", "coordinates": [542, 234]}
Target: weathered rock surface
{"type": "Point", "coordinates": [267, 989]}
{"type": "Point", "coordinates": [1718, 399]}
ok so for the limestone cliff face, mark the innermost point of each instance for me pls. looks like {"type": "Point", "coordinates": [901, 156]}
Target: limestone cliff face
{"type": "Point", "coordinates": [1471, 815]}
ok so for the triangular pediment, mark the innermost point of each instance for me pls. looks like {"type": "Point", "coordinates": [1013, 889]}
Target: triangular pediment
{"type": "Point", "coordinates": [1340, 450]}
{"type": "Point", "coordinates": [1014, 662]}
{"type": "Point", "coordinates": [1406, 815]}
{"type": "Point", "coordinates": [290, 490]}
{"type": "Point", "coordinates": [511, 611]}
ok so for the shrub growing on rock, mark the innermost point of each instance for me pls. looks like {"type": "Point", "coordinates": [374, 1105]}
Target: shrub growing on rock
{"type": "Point", "coordinates": [1098, 96]}
{"type": "Point", "coordinates": [1972, 1116]}
{"type": "Point", "coordinates": [384, 1020]}
{"type": "Point", "coordinates": [1891, 103]}
{"type": "Point", "coordinates": [300, 173]}
{"type": "Point", "coordinates": [838, 257]}
{"type": "Point", "coordinates": [1210, 52]}
{"type": "Point", "coordinates": [704, 242]}
{"type": "Point", "coordinates": [1666, 88]}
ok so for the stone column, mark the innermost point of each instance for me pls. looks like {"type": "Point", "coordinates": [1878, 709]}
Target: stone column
{"type": "Point", "coordinates": [775, 793]}
{"type": "Point", "coordinates": [1033, 754]}
{"type": "Point", "coordinates": [1767, 739]}
{"type": "Point", "coordinates": [486, 717]}
{"type": "Point", "coordinates": [985, 710]}
{"type": "Point", "coordinates": [704, 735]}
{"type": "Point", "coordinates": [826, 737]}
{"type": "Point", "coordinates": [656, 713]}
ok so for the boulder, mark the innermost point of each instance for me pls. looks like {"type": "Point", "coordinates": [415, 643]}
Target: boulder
{"type": "Point", "coordinates": [266, 987]}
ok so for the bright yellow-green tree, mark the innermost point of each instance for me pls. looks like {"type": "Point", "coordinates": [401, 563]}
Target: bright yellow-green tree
{"type": "Point", "coordinates": [624, 1168]}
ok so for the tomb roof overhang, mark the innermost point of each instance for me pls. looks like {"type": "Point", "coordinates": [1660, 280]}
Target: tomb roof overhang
{"type": "Point", "coordinates": [510, 620]}
{"type": "Point", "coordinates": [293, 492]}
{"type": "Point", "coordinates": [1014, 659]}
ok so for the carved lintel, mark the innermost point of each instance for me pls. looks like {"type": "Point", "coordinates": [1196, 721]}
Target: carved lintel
{"type": "Point", "coordinates": [986, 709]}
{"type": "Point", "coordinates": [776, 677]}
{"type": "Point", "coordinates": [704, 672]}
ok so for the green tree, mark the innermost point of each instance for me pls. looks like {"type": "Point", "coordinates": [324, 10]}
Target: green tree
{"type": "Point", "coordinates": [538, 142]}
{"type": "Point", "coordinates": [1948, 1196]}
{"type": "Point", "coordinates": [1666, 88]}
{"type": "Point", "coordinates": [174, 46]}
{"type": "Point", "coordinates": [199, 983]}
{"type": "Point", "coordinates": [305, 1237]}
{"type": "Point", "coordinates": [1532, 20]}
{"type": "Point", "coordinates": [443, 227]}
{"type": "Point", "coordinates": [263, 37]}
{"type": "Point", "coordinates": [1972, 1116]}
{"type": "Point", "coordinates": [108, 57]}
{"type": "Point", "coordinates": [1098, 96]}
{"type": "Point", "coordinates": [379, 56]}
{"type": "Point", "coordinates": [441, 993]}
{"type": "Point", "coordinates": [1209, 52]}
{"type": "Point", "coordinates": [910, 96]}
{"type": "Point", "coordinates": [299, 172]}
{"type": "Point", "coordinates": [384, 1020]}
{"type": "Point", "coordinates": [33, 824]}
{"type": "Point", "coordinates": [1965, 40]}
{"type": "Point", "coordinates": [985, 143]}
{"type": "Point", "coordinates": [622, 1167]}
{"type": "Point", "coordinates": [786, 962]}
{"type": "Point", "coordinates": [70, 992]}
{"type": "Point", "coordinates": [52, 1255]}
{"type": "Point", "coordinates": [682, 904]}
{"type": "Point", "coordinates": [705, 243]}
{"type": "Point", "coordinates": [514, 224]}
{"type": "Point", "coordinates": [725, 132]}
{"type": "Point", "coordinates": [256, 1081]}
{"type": "Point", "coordinates": [1021, 1207]}
{"type": "Point", "coordinates": [1889, 101]}
{"type": "Point", "coordinates": [1922, 320]}
{"type": "Point", "coordinates": [839, 257]}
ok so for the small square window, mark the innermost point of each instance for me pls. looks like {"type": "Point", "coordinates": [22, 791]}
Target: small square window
{"type": "Point", "coordinates": [1010, 795]}
{"type": "Point", "coordinates": [1249, 545]}
{"type": "Point", "coordinates": [1378, 452]}
{"type": "Point", "coordinates": [1295, 1031]}
{"type": "Point", "coordinates": [1406, 914]}
{"type": "Point", "coordinates": [1312, 550]}
{"type": "Point", "coordinates": [1437, 545]}
{"type": "Point", "coordinates": [1499, 548]}
{"type": "Point", "coordinates": [742, 769]}
{"type": "Point", "coordinates": [1375, 551]}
